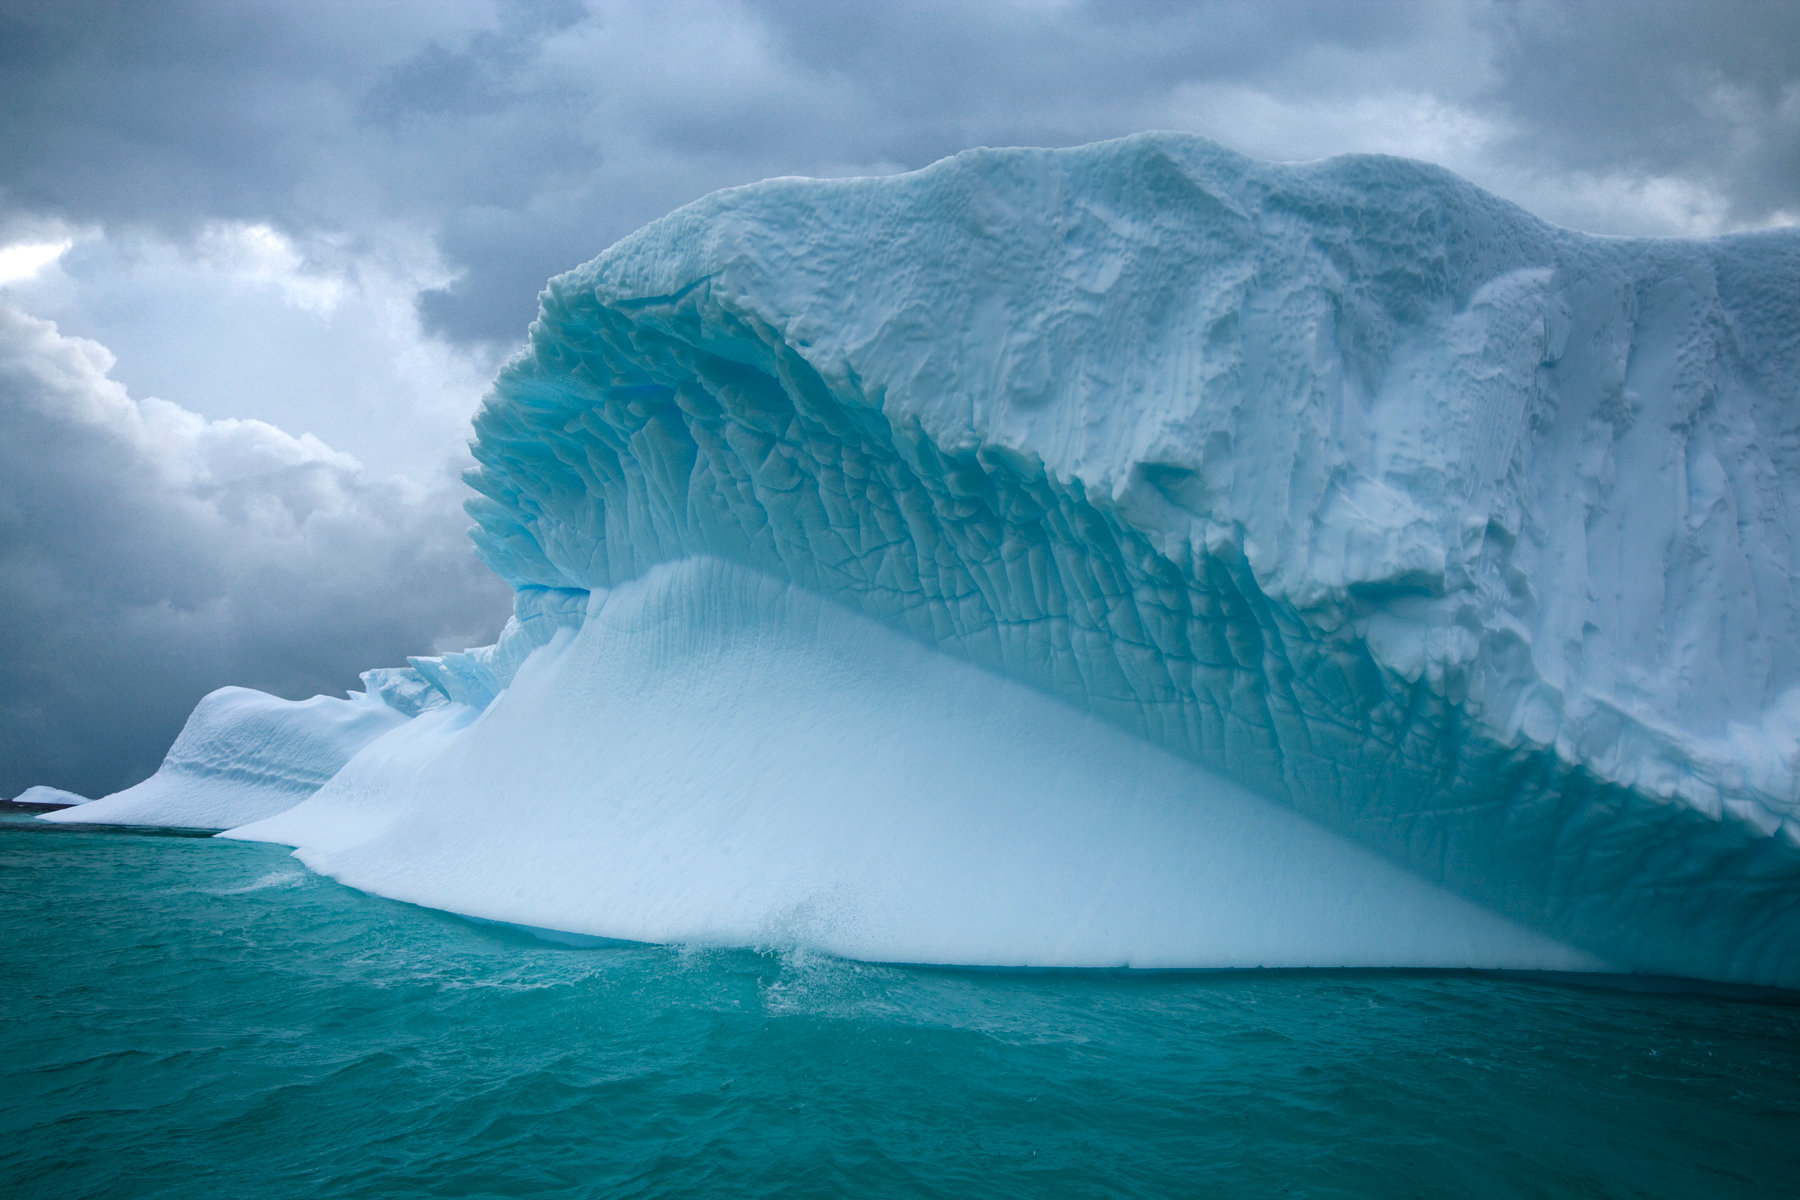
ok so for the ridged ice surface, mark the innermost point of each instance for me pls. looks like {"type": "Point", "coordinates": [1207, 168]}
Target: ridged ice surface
{"type": "Point", "coordinates": [1468, 537]}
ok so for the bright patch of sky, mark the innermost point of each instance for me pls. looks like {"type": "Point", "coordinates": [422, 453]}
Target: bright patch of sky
{"type": "Point", "coordinates": [22, 261]}
{"type": "Point", "coordinates": [240, 322]}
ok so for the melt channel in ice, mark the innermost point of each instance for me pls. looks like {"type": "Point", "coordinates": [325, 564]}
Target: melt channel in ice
{"type": "Point", "coordinates": [1458, 543]}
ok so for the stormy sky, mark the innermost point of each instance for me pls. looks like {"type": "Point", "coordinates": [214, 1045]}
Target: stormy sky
{"type": "Point", "coordinates": [258, 259]}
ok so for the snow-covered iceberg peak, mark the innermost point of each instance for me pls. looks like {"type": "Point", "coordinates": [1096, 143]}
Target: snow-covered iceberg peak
{"type": "Point", "coordinates": [1466, 536]}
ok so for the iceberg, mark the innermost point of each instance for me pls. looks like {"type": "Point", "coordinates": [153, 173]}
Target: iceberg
{"type": "Point", "coordinates": [43, 796]}
{"type": "Point", "coordinates": [1128, 554]}
{"type": "Point", "coordinates": [244, 754]}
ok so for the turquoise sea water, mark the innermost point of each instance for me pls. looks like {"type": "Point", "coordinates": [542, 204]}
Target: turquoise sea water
{"type": "Point", "coordinates": [188, 1017]}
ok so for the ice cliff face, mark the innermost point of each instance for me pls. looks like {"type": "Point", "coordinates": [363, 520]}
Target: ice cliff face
{"type": "Point", "coordinates": [1464, 535]}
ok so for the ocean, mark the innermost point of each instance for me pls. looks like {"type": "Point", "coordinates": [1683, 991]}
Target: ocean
{"type": "Point", "coordinates": [188, 1017]}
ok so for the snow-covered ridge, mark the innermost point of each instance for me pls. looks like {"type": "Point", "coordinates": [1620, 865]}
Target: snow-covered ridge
{"type": "Point", "coordinates": [1467, 536]}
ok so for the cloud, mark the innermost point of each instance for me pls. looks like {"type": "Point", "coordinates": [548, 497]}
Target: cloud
{"type": "Point", "coordinates": [1707, 94]}
{"type": "Point", "coordinates": [522, 138]}
{"type": "Point", "coordinates": [243, 321]}
{"type": "Point", "coordinates": [148, 555]}
{"type": "Point", "coordinates": [24, 260]}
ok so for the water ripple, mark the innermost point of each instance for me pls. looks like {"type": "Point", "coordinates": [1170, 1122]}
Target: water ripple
{"type": "Point", "coordinates": [191, 1017]}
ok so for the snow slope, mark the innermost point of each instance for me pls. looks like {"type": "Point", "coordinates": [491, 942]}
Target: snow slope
{"type": "Point", "coordinates": [718, 757]}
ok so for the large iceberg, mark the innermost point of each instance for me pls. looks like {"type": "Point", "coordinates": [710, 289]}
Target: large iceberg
{"type": "Point", "coordinates": [1345, 565]}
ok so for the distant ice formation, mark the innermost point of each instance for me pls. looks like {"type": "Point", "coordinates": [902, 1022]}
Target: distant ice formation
{"type": "Point", "coordinates": [1468, 539]}
{"type": "Point", "coordinates": [48, 797]}
{"type": "Point", "coordinates": [244, 754]}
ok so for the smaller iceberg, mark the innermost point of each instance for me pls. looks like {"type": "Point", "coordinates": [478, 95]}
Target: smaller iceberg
{"type": "Point", "coordinates": [48, 797]}
{"type": "Point", "coordinates": [242, 755]}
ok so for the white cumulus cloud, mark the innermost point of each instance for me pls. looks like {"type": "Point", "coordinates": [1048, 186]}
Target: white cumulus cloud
{"type": "Point", "coordinates": [148, 555]}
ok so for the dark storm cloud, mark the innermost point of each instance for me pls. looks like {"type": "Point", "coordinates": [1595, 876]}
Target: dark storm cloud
{"type": "Point", "coordinates": [1710, 89]}
{"type": "Point", "coordinates": [148, 556]}
{"type": "Point", "coordinates": [936, 76]}
{"type": "Point", "coordinates": [526, 136]}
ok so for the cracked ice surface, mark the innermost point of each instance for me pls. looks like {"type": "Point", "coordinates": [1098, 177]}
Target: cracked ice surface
{"type": "Point", "coordinates": [1464, 535]}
